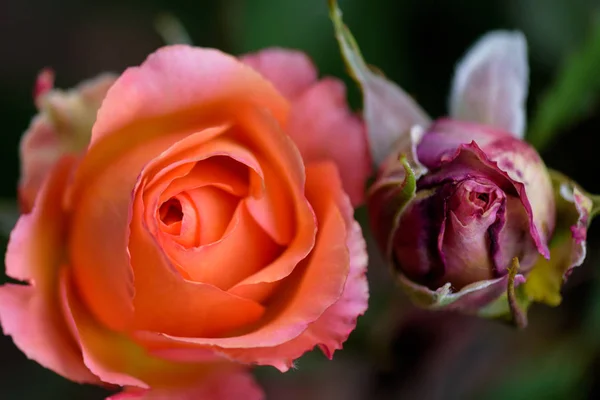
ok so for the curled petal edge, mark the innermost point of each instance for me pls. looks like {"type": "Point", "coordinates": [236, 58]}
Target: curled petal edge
{"type": "Point", "coordinates": [574, 211]}
{"type": "Point", "coordinates": [471, 299]}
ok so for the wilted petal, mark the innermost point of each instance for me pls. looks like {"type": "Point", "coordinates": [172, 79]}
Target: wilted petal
{"type": "Point", "coordinates": [491, 82]}
{"type": "Point", "coordinates": [470, 299]}
{"type": "Point", "coordinates": [567, 248]}
{"type": "Point", "coordinates": [388, 111]}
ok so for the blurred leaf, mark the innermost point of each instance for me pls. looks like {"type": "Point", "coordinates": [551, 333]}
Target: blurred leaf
{"type": "Point", "coordinates": [555, 374]}
{"type": "Point", "coordinates": [9, 214]}
{"type": "Point", "coordinates": [171, 29]}
{"type": "Point", "coordinates": [576, 88]}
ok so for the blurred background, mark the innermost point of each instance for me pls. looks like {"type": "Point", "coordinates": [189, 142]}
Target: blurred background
{"type": "Point", "coordinates": [396, 352]}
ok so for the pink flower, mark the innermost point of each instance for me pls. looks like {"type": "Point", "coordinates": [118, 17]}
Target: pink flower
{"type": "Point", "coordinates": [206, 225]}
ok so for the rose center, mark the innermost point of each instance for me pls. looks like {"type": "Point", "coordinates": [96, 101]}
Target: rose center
{"type": "Point", "coordinates": [171, 212]}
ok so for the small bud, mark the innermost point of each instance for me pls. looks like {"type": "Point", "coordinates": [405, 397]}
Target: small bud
{"type": "Point", "coordinates": [469, 217]}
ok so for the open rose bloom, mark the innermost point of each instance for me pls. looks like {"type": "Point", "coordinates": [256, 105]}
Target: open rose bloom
{"type": "Point", "coordinates": [201, 223]}
{"type": "Point", "coordinates": [464, 210]}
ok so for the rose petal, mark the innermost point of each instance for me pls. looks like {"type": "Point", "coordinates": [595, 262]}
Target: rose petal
{"type": "Point", "coordinates": [516, 158]}
{"type": "Point", "coordinates": [103, 207]}
{"type": "Point", "coordinates": [244, 250]}
{"type": "Point", "coordinates": [63, 126]}
{"type": "Point", "coordinates": [193, 309]}
{"type": "Point", "coordinates": [446, 135]}
{"type": "Point", "coordinates": [312, 291]}
{"type": "Point", "coordinates": [324, 129]}
{"type": "Point", "coordinates": [471, 299]}
{"type": "Point", "coordinates": [116, 359]}
{"type": "Point", "coordinates": [508, 242]}
{"type": "Point", "coordinates": [31, 314]}
{"type": "Point", "coordinates": [178, 78]}
{"type": "Point", "coordinates": [468, 161]}
{"type": "Point", "coordinates": [290, 71]}
{"type": "Point", "coordinates": [491, 82]}
{"type": "Point", "coordinates": [568, 246]}
{"type": "Point", "coordinates": [279, 158]}
{"type": "Point", "coordinates": [332, 329]}
{"type": "Point", "coordinates": [417, 240]}
{"type": "Point", "coordinates": [233, 385]}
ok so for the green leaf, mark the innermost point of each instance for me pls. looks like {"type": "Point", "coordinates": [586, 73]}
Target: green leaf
{"type": "Point", "coordinates": [576, 89]}
{"type": "Point", "coordinates": [172, 30]}
{"type": "Point", "coordinates": [9, 214]}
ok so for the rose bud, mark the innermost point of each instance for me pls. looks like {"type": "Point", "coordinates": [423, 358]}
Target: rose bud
{"type": "Point", "coordinates": [469, 217]}
{"type": "Point", "coordinates": [464, 210]}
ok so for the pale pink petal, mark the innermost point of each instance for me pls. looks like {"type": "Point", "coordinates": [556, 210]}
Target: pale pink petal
{"type": "Point", "coordinates": [324, 129]}
{"type": "Point", "coordinates": [491, 82]}
{"type": "Point", "coordinates": [63, 126]}
{"type": "Point", "coordinates": [181, 78]}
{"type": "Point", "coordinates": [238, 385]}
{"type": "Point", "coordinates": [290, 71]}
{"type": "Point", "coordinates": [31, 314]}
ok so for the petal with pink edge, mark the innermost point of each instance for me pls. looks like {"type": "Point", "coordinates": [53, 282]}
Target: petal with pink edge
{"type": "Point", "coordinates": [233, 385]}
{"type": "Point", "coordinates": [177, 78]}
{"type": "Point", "coordinates": [334, 326]}
{"type": "Point", "coordinates": [290, 71]}
{"type": "Point", "coordinates": [324, 129]}
{"type": "Point", "coordinates": [31, 314]}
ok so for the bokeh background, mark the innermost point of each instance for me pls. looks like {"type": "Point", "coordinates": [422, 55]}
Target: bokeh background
{"type": "Point", "coordinates": [396, 352]}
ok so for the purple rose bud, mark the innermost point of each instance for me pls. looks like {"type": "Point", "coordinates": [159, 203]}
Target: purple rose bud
{"type": "Point", "coordinates": [465, 211]}
{"type": "Point", "coordinates": [486, 198]}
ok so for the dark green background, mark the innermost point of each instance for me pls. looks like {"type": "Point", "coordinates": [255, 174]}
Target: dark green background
{"type": "Point", "coordinates": [397, 352]}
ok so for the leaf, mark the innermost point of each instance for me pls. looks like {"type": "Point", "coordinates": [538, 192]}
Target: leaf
{"type": "Point", "coordinates": [171, 30]}
{"type": "Point", "coordinates": [491, 81]}
{"type": "Point", "coordinates": [576, 88]}
{"type": "Point", "coordinates": [389, 112]}
{"type": "Point", "coordinates": [9, 214]}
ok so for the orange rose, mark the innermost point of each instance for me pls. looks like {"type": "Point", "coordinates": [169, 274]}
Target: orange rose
{"type": "Point", "coordinates": [206, 227]}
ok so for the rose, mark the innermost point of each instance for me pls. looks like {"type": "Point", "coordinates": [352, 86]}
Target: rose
{"type": "Point", "coordinates": [487, 198]}
{"type": "Point", "coordinates": [465, 211]}
{"type": "Point", "coordinates": [206, 226]}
